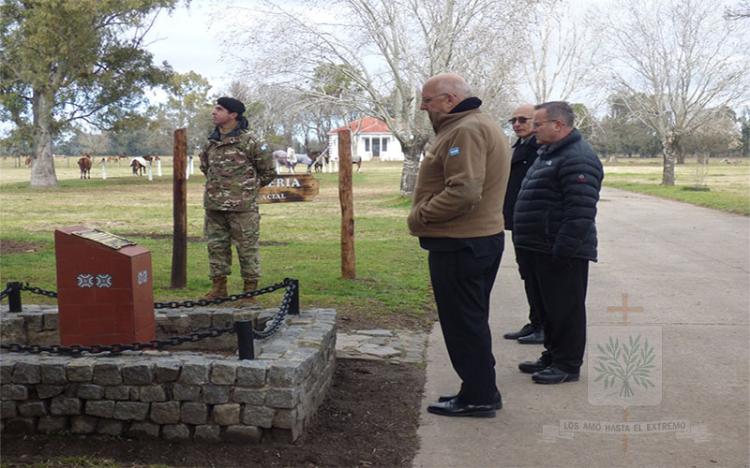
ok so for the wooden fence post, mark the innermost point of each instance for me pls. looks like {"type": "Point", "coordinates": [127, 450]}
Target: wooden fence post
{"type": "Point", "coordinates": [179, 210]}
{"type": "Point", "coordinates": [346, 199]}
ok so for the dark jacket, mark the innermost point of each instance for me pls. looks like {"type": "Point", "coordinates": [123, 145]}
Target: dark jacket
{"type": "Point", "coordinates": [556, 205]}
{"type": "Point", "coordinates": [524, 155]}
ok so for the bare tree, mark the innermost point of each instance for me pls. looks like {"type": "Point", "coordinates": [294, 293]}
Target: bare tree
{"type": "Point", "coordinates": [739, 11]}
{"type": "Point", "coordinates": [387, 48]}
{"type": "Point", "coordinates": [676, 60]}
{"type": "Point", "coordinates": [562, 54]}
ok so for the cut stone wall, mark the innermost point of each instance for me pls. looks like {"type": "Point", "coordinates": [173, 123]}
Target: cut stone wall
{"type": "Point", "coordinates": [175, 395]}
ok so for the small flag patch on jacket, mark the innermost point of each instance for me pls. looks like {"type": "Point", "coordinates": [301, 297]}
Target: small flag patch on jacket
{"type": "Point", "coordinates": [455, 151]}
{"type": "Point", "coordinates": [581, 179]}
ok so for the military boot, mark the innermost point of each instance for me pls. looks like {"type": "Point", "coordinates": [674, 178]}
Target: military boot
{"type": "Point", "coordinates": [250, 285]}
{"type": "Point", "coordinates": [218, 289]}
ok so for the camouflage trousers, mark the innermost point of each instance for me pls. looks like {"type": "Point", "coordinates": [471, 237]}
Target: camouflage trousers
{"type": "Point", "coordinates": [239, 228]}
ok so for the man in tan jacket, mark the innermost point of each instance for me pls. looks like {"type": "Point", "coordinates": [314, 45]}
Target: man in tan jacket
{"type": "Point", "coordinates": [457, 215]}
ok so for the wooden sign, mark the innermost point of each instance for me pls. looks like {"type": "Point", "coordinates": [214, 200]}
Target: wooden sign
{"type": "Point", "coordinates": [287, 188]}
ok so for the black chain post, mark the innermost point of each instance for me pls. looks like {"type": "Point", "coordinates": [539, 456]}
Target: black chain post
{"type": "Point", "coordinates": [245, 345]}
{"type": "Point", "coordinates": [294, 304]}
{"type": "Point", "coordinates": [14, 297]}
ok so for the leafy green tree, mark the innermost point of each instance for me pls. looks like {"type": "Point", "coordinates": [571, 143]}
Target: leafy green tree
{"type": "Point", "coordinates": [188, 106]}
{"type": "Point", "coordinates": [622, 132]}
{"type": "Point", "coordinates": [64, 62]}
{"type": "Point", "coordinates": [720, 136]}
{"type": "Point", "coordinates": [745, 133]}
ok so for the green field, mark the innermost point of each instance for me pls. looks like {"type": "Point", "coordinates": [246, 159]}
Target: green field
{"type": "Point", "coordinates": [299, 240]}
{"type": "Point", "coordinates": [723, 186]}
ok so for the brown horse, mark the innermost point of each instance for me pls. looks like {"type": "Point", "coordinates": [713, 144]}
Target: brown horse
{"type": "Point", "coordinates": [138, 167]}
{"type": "Point", "coordinates": [84, 164]}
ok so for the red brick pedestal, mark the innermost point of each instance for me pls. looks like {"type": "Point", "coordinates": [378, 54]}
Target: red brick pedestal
{"type": "Point", "coordinates": [104, 290]}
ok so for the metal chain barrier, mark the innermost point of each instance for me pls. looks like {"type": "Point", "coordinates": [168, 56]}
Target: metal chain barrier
{"type": "Point", "coordinates": [5, 292]}
{"type": "Point", "coordinates": [283, 311]}
{"type": "Point", "coordinates": [39, 291]}
{"type": "Point", "coordinates": [220, 300]}
{"type": "Point", "coordinates": [76, 350]}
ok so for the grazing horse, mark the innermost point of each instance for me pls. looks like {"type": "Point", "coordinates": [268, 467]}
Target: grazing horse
{"type": "Point", "coordinates": [319, 159]}
{"type": "Point", "coordinates": [27, 162]}
{"type": "Point", "coordinates": [84, 164]}
{"type": "Point", "coordinates": [138, 165]}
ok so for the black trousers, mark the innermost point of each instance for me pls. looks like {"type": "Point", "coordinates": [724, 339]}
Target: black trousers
{"type": "Point", "coordinates": [558, 291]}
{"type": "Point", "coordinates": [462, 281]}
{"type": "Point", "coordinates": [535, 315]}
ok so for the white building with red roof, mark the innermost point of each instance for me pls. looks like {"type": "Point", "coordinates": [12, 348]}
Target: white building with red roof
{"type": "Point", "coordinates": [371, 138]}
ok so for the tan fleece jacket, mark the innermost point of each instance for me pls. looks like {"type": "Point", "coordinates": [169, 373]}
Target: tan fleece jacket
{"type": "Point", "coordinates": [462, 179]}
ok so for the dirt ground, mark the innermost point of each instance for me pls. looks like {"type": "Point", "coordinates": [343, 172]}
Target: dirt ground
{"type": "Point", "coordinates": [9, 246]}
{"type": "Point", "coordinates": [369, 418]}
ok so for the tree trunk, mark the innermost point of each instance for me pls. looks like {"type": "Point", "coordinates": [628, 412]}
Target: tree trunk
{"type": "Point", "coordinates": [679, 155]}
{"type": "Point", "coordinates": [410, 169]}
{"type": "Point", "coordinates": [42, 164]}
{"type": "Point", "coordinates": [669, 144]}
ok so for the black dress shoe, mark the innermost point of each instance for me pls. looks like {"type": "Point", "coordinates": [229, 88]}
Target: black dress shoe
{"type": "Point", "coordinates": [525, 330]}
{"type": "Point", "coordinates": [497, 401]}
{"type": "Point", "coordinates": [537, 337]}
{"type": "Point", "coordinates": [456, 407]}
{"type": "Point", "coordinates": [553, 375]}
{"type": "Point", "coordinates": [530, 367]}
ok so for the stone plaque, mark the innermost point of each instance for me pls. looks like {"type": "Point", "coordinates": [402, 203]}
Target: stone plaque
{"type": "Point", "coordinates": [105, 238]}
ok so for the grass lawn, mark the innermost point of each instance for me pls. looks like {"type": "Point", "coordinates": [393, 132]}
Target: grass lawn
{"type": "Point", "coordinates": [724, 187]}
{"type": "Point", "coordinates": [299, 240]}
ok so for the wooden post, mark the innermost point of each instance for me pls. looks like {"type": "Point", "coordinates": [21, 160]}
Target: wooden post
{"type": "Point", "coordinates": [346, 199]}
{"type": "Point", "coordinates": [179, 210]}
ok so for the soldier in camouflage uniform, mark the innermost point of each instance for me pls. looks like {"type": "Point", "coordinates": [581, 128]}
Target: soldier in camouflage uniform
{"type": "Point", "coordinates": [236, 166]}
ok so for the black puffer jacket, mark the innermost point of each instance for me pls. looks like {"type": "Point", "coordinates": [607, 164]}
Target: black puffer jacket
{"type": "Point", "coordinates": [524, 155]}
{"type": "Point", "coordinates": [556, 206]}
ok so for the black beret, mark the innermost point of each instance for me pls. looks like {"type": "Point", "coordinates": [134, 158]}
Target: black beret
{"type": "Point", "coordinates": [231, 104]}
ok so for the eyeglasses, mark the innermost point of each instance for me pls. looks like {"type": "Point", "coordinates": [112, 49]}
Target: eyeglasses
{"type": "Point", "coordinates": [427, 100]}
{"type": "Point", "coordinates": [539, 124]}
{"type": "Point", "coordinates": [521, 120]}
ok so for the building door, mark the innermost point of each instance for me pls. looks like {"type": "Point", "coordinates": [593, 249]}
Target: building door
{"type": "Point", "coordinates": [376, 147]}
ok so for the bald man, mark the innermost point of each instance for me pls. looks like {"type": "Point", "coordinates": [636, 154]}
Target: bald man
{"type": "Point", "coordinates": [524, 153]}
{"type": "Point", "coordinates": [457, 215]}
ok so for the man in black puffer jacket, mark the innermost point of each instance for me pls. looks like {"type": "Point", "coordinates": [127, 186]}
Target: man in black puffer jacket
{"type": "Point", "coordinates": [555, 238]}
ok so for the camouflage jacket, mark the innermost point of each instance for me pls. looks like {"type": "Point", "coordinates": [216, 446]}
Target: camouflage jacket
{"type": "Point", "coordinates": [236, 166]}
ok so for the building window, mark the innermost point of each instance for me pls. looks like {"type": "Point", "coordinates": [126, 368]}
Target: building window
{"type": "Point", "coordinates": [384, 148]}
{"type": "Point", "coordinates": [367, 143]}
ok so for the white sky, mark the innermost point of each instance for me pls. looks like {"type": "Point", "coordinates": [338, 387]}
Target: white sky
{"type": "Point", "coordinates": [190, 39]}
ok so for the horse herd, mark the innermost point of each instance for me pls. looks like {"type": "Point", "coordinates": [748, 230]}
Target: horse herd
{"type": "Point", "coordinates": [315, 161]}
{"type": "Point", "coordinates": [137, 164]}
